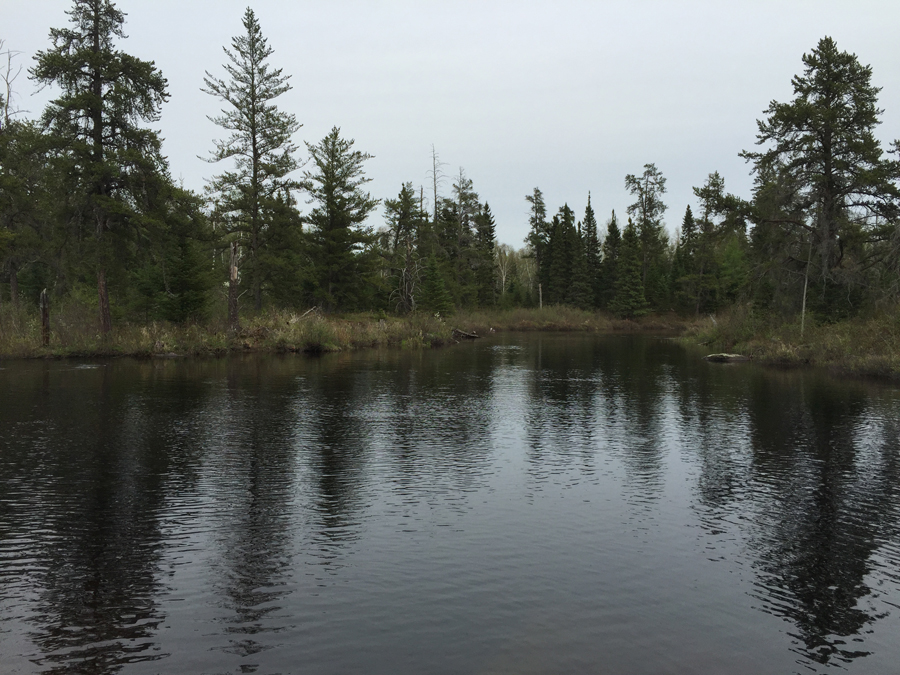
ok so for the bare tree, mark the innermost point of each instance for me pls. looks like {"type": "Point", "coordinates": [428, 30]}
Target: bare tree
{"type": "Point", "coordinates": [437, 177]}
{"type": "Point", "coordinates": [8, 75]}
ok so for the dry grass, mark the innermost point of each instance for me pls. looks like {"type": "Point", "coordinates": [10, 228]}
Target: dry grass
{"type": "Point", "coordinates": [861, 346]}
{"type": "Point", "coordinates": [75, 331]}
{"type": "Point", "coordinates": [561, 318]}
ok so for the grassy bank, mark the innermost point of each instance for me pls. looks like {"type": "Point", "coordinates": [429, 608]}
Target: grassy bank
{"type": "Point", "coordinates": [867, 346]}
{"type": "Point", "coordinates": [564, 319]}
{"type": "Point", "coordinates": [75, 332]}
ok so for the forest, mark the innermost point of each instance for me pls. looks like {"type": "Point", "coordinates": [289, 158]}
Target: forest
{"type": "Point", "coordinates": [90, 212]}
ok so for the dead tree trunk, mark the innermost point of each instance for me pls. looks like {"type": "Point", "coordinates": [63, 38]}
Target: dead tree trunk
{"type": "Point", "coordinates": [103, 297]}
{"type": "Point", "coordinates": [233, 321]}
{"type": "Point", "coordinates": [45, 319]}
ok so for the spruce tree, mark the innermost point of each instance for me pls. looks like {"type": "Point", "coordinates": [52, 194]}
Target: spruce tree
{"type": "Point", "coordinates": [592, 253]}
{"type": "Point", "coordinates": [629, 300]}
{"type": "Point", "coordinates": [338, 239]}
{"type": "Point", "coordinates": [405, 220]}
{"type": "Point", "coordinates": [259, 144]}
{"type": "Point", "coordinates": [579, 292]}
{"type": "Point", "coordinates": [188, 279]}
{"type": "Point", "coordinates": [433, 296]}
{"type": "Point", "coordinates": [115, 164]}
{"type": "Point", "coordinates": [683, 278]}
{"type": "Point", "coordinates": [609, 264]}
{"type": "Point", "coordinates": [561, 253]}
{"type": "Point", "coordinates": [485, 273]}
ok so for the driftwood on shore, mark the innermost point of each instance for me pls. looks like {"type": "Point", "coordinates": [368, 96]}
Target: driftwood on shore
{"type": "Point", "coordinates": [726, 358]}
{"type": "Point", "coordinates": [463, 335]}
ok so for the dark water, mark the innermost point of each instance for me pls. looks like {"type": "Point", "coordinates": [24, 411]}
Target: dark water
{"type": "Point", "coordinates": [529, 504]}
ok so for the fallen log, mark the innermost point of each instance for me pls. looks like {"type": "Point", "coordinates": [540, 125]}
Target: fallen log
{"type": "Point", "coordinates": [726, 358]}
{"type": "Point", "coordinates": [463, 335]}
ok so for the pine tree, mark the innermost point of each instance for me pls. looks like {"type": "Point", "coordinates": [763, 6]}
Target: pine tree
{"type": "Point", "coordinates": [579, 292]}
{"type": "Point", "coordinates": [116, 164]}
{"type": "Point", "coordinates": [339, 239]}
{"type": "Point", "coordinates": [824, 190]}
{"type": "Point", "coordinates": [592, 254]}
{"type": "Point", "coordinates": [485, 234]}
{"type": "Point", "coordinates": [433, 296]}
{"type": "Point", "coordinates": [559, 257]}
{"type": "Point", "coordinates": [188, 279]}
{"type": "Point", "coordinates": [459, 240]}
{"type": "Point", "coordinates": [609, 265]}
{"type": "Point", "coordinates": [629, 300]}
{"type": "Point", "coordinates": [648, 211]}
{"type": "Point", "coordinates": [259, 144]}
{"type": "Point", "coordinates": [405, 221]}
{"type": "Point", "coordinates": [538, 238]}
{"type": "Point", "coordinates": [683, 278]}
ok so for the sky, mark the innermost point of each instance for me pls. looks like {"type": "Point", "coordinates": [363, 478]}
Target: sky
{"type": "Point", "coordinates": [567, 96]}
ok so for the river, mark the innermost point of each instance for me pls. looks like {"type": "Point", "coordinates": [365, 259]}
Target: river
{"type": "Point", "coordinates": [526, 503]}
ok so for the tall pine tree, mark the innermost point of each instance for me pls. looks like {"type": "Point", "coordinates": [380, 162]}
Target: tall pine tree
{"type": "Point", "coordinates": [259, 144]}
{"type": "Point", "coordinates": [116, 165]}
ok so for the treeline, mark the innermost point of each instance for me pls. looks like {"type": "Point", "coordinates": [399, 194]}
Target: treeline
{"type": "Point", "coordinates": [89, 209]}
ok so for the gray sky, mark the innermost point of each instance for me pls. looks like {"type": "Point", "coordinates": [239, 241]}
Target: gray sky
{"type": "Point", "coordinates": [565, 96]}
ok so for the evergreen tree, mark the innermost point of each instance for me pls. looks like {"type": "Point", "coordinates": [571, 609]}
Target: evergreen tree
{"type": "Point", "coordinates": [405, 221]}
{"type": "Point", "coordinates": [459, 240]}
{"type": "Point", "coordinates": [539, 233]}
{"type": "Point", "coordinates": [259, 144]}
{"type": "Point", "coordinates": [683, 263]}
{"type": "Point", "coordinates": [559, 257]}
{"type": "Point", "coordinates": [592, 254]}
{"type": "Point", "coordinates": [29, 200]}
{"type": "Point", "coordinates": [579, 292]}
{"type": "Point", "coordinates": [338, 239]}
{"type": "Point", "coordinates": [283, 257]}
{"type": "Point", "coordinates": [824, 169]}
{"type": "Point", "coordinates": [648, 210]}
{"type": "Point", "coordinates": [434, 296]}
{"type": "Point", "coordinates": [688, 230]}
{"type": "Point", "coordinates": [485, 234]}
{"type": "Point", "coordinates": [629, 300]}
{"type": "Point", "coordinates": [116, 165]}
{"type": "Point", "coordinates": [609, 265]}
{"type": "Point", "coordinates": [188, 276]}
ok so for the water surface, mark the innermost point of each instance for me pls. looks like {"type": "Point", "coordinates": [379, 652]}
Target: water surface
{"type": "Point", "coordinates": [524, 504]}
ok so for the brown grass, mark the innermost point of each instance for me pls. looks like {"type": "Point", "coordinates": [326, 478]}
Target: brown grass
{"type": "Point", "coordinates": [867, 346]}
{"type": "Point", "coordinates": [75, 331]}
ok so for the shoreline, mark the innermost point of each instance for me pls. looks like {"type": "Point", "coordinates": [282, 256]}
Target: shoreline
{"type": "Point", "coordinates": [285, 332]}
{"type": "Point", "coordinates": [858, 348]}
{"type": "Point", "coordinates": [863, 348]}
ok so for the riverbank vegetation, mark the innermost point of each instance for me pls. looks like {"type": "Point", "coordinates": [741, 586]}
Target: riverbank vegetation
{"type": "Point", "coordinates": [807, 268]}
{"type": "Point", "coordinates": [76, 332]}
{"type": "Point", "coordinates": [860, 346]}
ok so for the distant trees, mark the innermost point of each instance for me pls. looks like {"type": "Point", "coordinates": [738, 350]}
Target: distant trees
{"type": "Point", "coordinates": [114, 165]}
{"type": "Point", "coordinates": [260, 144]}
{"type": "Point", "coordinates": [86, 198]}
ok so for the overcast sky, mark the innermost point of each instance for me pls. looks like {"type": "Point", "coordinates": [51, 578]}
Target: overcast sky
{"type": "Point", "coordinates": [565, 96]}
